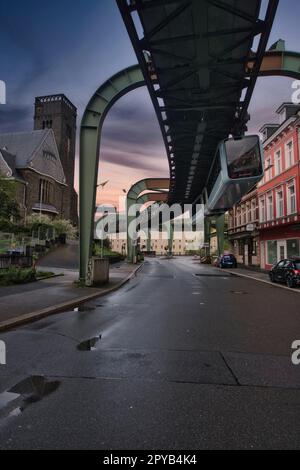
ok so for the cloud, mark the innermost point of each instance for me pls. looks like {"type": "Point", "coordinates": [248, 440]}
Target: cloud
{"type": "Point", "coordinates": [15, 118]}
{"type": "Point", "coordinates": [135, 160]}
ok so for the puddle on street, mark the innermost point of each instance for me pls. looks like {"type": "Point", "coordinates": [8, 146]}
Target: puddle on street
{"type": "Point", "coordinates": [90, 344]}
{"type": "Point", "coordinates": [6, 398]}
{"type": "Point", "coordinates": [35, 388]}
{"type": "Point", "coordinates": [30, 390]}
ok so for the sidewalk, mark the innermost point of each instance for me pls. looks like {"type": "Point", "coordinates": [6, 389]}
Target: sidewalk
{"type": "Point", "coordinates": [28, 302]}
{"type": "Point", "coordinates": [260, 276]}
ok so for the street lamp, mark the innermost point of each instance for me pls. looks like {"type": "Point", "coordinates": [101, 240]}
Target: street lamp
{"type": "Point", "coordinates": [102, 186]}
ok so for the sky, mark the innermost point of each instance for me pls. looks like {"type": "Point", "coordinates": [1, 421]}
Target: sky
{"type": "Point", "coordinates": [71, 47]}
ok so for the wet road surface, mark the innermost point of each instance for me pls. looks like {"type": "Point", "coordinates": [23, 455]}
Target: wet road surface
{"type": "Point", "coordinates": [183, 357]}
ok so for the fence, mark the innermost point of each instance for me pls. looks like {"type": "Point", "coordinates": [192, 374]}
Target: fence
{"type": "Point", "coordinates": [18, 261]}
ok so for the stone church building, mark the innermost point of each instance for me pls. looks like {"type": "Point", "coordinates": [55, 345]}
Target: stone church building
{"type": "Point", "coordinates": [42, 162]}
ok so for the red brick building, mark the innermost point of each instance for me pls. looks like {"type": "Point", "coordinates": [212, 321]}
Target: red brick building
{"type": "Point", "coordinates": [279, 191]}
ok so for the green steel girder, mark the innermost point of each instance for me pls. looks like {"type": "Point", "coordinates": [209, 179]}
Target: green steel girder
{"type": "Point", "coordinates": [275, 62]}
{"type": "Point", "coordinates": [91, 129]}
{"type": "Point", "coordinates": [282, 63]}
{"type": "Point", "coordinates": [219, 223]}
{"type": "Point", "coordinates": [135, 197]}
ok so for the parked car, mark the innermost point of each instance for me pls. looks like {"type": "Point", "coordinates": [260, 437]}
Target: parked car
{"type": "Point", "coordinates": [226, 261]}
{"type": "Point", "coordinates": [287, 271]}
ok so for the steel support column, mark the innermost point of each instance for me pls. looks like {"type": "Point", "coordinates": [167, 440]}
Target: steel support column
{"type": "Point", "coordinates": [207, 233]}
{"type": "Point", "coordinates": [220, 227]}
{"type": "Point", "coordinates": [170, 238]}
{"type": "Point", "coordinates": [134, 199]}
{"type": "Point", "coordinates": [91, 129]}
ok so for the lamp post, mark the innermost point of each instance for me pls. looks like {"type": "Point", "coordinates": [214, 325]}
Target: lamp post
{"type": "Point", "coordinates": [102, 186]}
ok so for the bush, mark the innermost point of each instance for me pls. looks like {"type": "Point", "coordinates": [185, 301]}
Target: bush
{"type": "Point", "coordinates": [15, 276]}
{"type": "Point", "coordinates": [43, 222]}
{"type": "Point", "coordinates": [113, 256]}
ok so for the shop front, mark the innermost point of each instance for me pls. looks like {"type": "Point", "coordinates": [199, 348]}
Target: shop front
{"type": "Point", "coordinates": [246, 247]}
{"type": "Point", "coordinates": [278, 244]}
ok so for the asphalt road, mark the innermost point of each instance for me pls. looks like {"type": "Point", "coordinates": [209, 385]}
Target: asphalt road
{"type": "Point", "coordinates": [184, 362]}
{"type": "Point", "coordinates": [63, 257]}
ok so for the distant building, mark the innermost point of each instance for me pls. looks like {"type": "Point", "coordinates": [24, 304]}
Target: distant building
{"type": "Point", "coordinates": [42, 161]}
{"type": "Point", "coordinates": [159, 244]}
{"type": "Point", "coordinates": [243, 230]}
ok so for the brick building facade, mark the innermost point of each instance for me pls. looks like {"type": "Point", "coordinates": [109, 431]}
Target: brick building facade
{"type": "Point", "coordinates": [42, 162]}
{"type": "Point", "coordinates": [277, 197]}
{"type": "Point", "coordinates": [31, 159]}
{"type": "Point", "coordinates": [243, 230]}
{"type": "Point", "coordinates": [279, 191]}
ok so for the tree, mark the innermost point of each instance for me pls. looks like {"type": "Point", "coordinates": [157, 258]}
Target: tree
{"type": "Point", "coordinates": [61, 226]}
{"type": "Point", "coordinates": [9, 208]}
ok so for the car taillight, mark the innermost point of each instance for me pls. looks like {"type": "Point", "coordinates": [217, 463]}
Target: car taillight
{"type": "Point", "coordinates": [297, 272]}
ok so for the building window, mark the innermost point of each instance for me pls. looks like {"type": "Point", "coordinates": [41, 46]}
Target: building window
{"type": "Point", "coordinates": [279, 204]}
{"type": "Point", "coordinates": [262, 211]}
{"type": "Point", "coordinates": [49, 156]}
{"type": "Point", "coordinates": [270, 208]}
{"type": "Point", "coordinates": [244, 215]}
{"type": "Point", "coordinates": [238, 218]}
{"type": "Point", "coordinates": [277, 163]}
{"type": "Point", "coordinates": [248, 215]}
{"type": "Point", "coordinates": [268, 169]}
{"type": "Point", "coordinates": [293, 248]}
{"type": "Point", "coordinates": [289, 154]}
{"type": "Point", "coordinates": [45, 192]}
{"type": "Point", "coordinates": [272, 252]}
{"type": "Point", "coordinates": [241, 248]}
{"type": "Point", "coordinates": [292, 199]}
{"type": "Point", "coordinates": [253, 211]}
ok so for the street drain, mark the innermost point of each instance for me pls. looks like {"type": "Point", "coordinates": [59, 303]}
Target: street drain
{"type": "Point", "coordinates": [90, 344]}
{"type": "Point", "coordinates": [213, 275]}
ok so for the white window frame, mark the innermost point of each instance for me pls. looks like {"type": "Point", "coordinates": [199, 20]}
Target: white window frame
{"type": "Point", "coordinates": [278, 214]}
{"type": "Point", "coordinates": [270, 208]}
{"type": "Point", "coordinates": [289, 204]}
{"type": "Point", "coordinates": [269, 169]}
{"type": "Point", "coordinates": [289, 161]}
{"type": "Point", "coordinates": [239, 217]}
{"type": "Point", "coordinates": [253, 211]}
{"type": "Point", "coordinates": [262, 210]}
{"type": "Point", "coordinates": [244, 215]}
{"type": "Point", "coordinates": [278, 160]}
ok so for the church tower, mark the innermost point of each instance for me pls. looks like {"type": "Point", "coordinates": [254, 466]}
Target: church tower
{"type": "Point", "coordinates": [58, 113]}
